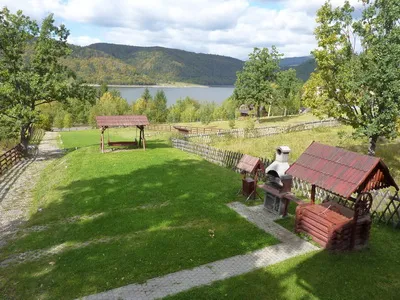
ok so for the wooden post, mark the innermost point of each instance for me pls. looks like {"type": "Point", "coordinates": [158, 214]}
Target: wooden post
{"type": "Point", "coordinates": [144, 140]}
{"type": "Point", "coordinates": [313, 194]}
{"type": "Point", "coordinates": [102, 140]}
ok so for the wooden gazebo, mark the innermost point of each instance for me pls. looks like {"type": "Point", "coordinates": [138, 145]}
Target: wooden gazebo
{"type": "Point", "coordinates": [349, 175]}
{"type": "Point", "coordinates": [105, 122]}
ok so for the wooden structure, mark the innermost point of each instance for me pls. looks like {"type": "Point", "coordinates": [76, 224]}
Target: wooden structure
{"type": "Point", "coordinates": [249, 167]}
{"type": "Point", "coordinates": [105, 122]}
{"type": "Point", "coordinates": [349, 175]}
{"type": "Point", "coordinates": [182, 130]}
{"type": "Point", "coordinates": [10, 158]}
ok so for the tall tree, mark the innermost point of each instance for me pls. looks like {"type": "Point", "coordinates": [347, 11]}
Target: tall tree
{"type": "Point", "coordinates": [288, 91]}
{"type": "Point", "coordinates": [254, 84]}
{"type": "Point", "coordinates": [27, 82]}
{"type": "Point", "coordinates": [160, 106]}
{"type": "Point", "coordinates": [361, 87]}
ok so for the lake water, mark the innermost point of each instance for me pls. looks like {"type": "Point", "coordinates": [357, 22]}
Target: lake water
{"type": "Point", "coordinates": [202, 94]}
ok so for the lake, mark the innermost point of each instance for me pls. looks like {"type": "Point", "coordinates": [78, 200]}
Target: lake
{"type": "Point", "coordinates": [202, 94]}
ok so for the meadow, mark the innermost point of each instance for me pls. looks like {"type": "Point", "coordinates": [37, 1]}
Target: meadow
{"type": "Point", "coordinates": [124, 217]}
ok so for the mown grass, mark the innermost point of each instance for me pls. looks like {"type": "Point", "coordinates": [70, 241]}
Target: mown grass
{"type": "Point", "coordinates": [388, 150]}
{"type": "Point", "coordinates": [370, 274]}
{"type": "Point", "coordinates": [264, 121]}
{"type": "Point", "coordinates": [157, 206]}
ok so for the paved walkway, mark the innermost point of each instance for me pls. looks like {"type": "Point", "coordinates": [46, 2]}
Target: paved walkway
{"type": "Point", "coordinates": [206, 274]}
{"type": "Point", "coordinates": [16, 186]}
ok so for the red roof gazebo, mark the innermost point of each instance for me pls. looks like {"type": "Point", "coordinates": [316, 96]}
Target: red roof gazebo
{"type": "Point", "coordinates": [139, 121]}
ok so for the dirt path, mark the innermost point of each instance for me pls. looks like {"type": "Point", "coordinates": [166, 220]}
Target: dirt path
{"type": "Point", "coordinates": [17, 184]}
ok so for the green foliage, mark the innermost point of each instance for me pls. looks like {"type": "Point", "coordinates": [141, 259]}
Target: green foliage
{"type": "Point", "coordinates": [254, 84]}
{"type": "Point", "coordinates": [108, 105]}
{"type": "Point", "coordinates": [28, 82]}
{"type": "Point", "coordinates": [170, 65]}
{"type": "Point", "coordinates": [206, 112]}
{"type": "Point", "coordinates": [288, 91]}
{"type": "Point", "coordinates": [160, 107]}
{"type": "Point", "coordinates": [67, 121]}
{"type": "Point", "coordinates": [360, 89]}
{"type": "Point", "coordinates": [232, 124]}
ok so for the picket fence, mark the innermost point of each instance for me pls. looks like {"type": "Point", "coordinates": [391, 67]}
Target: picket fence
{"type": "Point", "coordinates": [260, 131]}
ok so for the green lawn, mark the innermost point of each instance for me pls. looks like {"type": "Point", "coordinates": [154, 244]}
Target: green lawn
{"type": "Point", "coordinates": [152, 209]}
{"type": "Point", "coordinates": [370, 274]}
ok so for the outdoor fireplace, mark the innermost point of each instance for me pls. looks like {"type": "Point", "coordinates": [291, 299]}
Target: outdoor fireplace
{"type": "Point", "coordinates": [278, 186]}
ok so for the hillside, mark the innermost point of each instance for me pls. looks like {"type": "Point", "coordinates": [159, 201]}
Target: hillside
{"type": "Point", "coordinates": [122, 64]}
{"type": "Point", "coordinates": [166, 65]}
{"type": "Point", "coordinates": [97, 67]}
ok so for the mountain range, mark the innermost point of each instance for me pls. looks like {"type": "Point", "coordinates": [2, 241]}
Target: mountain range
{"type": "Point", "coordinates": [122, 64]}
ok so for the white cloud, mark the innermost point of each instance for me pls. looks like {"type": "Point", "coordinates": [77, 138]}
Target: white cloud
{"type": "Point", "coordinates": [83, 40]}
{"type": "Point", "coordinates": [231, 27]}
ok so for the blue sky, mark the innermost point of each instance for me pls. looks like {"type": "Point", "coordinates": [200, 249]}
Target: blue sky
{"type": "Point", "coordinates": [225, 27]}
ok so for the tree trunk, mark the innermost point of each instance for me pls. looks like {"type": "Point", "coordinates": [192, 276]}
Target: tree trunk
{"type": "Point", "coordinates": [269, 111]}
{"type": "Point", "coordinates": [24, 138]}
{"type": "Point", "coordinates": [258, 108]}
{"type": "Point", "coordinates": [372, 145]}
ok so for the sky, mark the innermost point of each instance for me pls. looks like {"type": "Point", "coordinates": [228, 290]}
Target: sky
{"type": "Point", "coordinates": [224, 27]}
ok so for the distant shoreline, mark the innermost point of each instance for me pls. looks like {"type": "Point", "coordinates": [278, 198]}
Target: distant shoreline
{"type": "Point", "coordinates": [151, 86]}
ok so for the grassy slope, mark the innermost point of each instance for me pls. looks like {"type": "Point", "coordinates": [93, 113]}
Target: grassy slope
{"type": "Point", "coordinates": [265, 121]}
{"type": "Point", "coordinates": [158, 205]}
{"type": "Point", "coordinates": [370, 274]}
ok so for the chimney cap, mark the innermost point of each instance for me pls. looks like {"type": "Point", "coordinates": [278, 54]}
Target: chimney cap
{"type": "Point", "coordinates": [283, 149]}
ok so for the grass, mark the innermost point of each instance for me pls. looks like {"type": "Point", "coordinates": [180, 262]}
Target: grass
{"type": "Point", "coordinates": [153, 209]}
{"type": "Point", "coordinates": [370, 274]}
{"type": "Point", "coordinates": [342, 136]}
{"type": "Point", "coordinates": [265, 121]}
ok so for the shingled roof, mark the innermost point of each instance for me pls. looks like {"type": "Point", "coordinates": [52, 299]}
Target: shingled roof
{"type": "Point", "coordinates": [115, 121]}
{"type": "Point", "coordinates": [340, 171]}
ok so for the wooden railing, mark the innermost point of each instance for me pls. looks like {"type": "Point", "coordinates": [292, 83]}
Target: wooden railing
{"type": "Point", "coordinates": [191, 130]}
{"type": "Point", "coordinates": [224, 158]}
{"type": "Point", "coordinates": [10, 158]}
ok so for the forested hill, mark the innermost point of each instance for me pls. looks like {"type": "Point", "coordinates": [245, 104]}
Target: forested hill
{"type": "Point", "coordinates": [122, 64]}
{"type": "Point", "coordinates": [165, 65]}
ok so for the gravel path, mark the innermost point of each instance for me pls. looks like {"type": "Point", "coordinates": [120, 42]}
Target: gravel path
{"type": "Point", "coordinates": [291, 245]}
{"type": "Point", "coordinates": [17, 184]}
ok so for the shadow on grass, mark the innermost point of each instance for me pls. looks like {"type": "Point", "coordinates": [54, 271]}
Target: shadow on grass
{"type": "Point", "coordinates": [370, 274]}
{"type": "Point", "coordinates": [158, 216]}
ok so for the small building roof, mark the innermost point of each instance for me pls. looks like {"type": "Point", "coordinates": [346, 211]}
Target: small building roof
{"type": "Point", "coordinates": [116, 121]}
{"type": "Point", "coordinates": [340, 171]}
{"type": "Point", "coordinates": [249, 163]}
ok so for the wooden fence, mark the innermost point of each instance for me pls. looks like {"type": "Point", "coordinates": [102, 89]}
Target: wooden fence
{"type": "Point", "coordinates": [192, 130]}
{"type": "Point", "coordinates": [10, 158]}
{"type": "Point", "coordinates": [385, 206]}
{"type": "Point", "coordinates": [260, 131]}
{"type": "Point", "coordinates": [224, 158]}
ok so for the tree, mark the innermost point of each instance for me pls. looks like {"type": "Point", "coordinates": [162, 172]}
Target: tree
{"type": "Point", "coordinates": [67, 122]}
{"type": "Point", "coordinates": [359, 88]}
{"type": "Point", "coordinates": [28, 81]}
{"type": "Point", "coordinates": [102, 89]}
{"type": "Point", "coordinates": [146, 96]}
{"type": "Point", "coordinates": [160, 107]}
{"type": "Point", "coordinates": [288, 91]}
{"type": "Point", "coordinates": [139, 107]}
{"type": "Point", "coordinates": [254, 83]}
